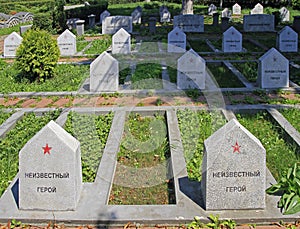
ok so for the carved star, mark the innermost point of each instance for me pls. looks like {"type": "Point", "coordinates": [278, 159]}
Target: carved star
{"type": "Point", "coordinates": [47, 149]}
{"type": "Point", "coordinates": [236, 148]}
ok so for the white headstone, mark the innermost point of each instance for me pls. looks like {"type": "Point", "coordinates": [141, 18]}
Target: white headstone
{"type": "Point", "coordinates": [121, 42]}
{"type": "Point", "coordinates": [258, 9]}
{"type": "Point", "coordinates": [212, 9]}
{"type": "Point", "coordinates": [273, 70]}
{"type": "Point", "coordinates": [165, 15]}
{"type": "Point", "coordinates": [176, 41]}
{"type": "Point", "coordinates": [103, 15]}
{"type": "Point", "coordinates": [236, 9]}
{"type": "Point", "coordinates": [11, 43]}
{"type": "Point", "coordinates": [232, 40]}
{"type": "Point", "coordinates": [136, 16]}
{"type": "Point", "coordinates": [104, 73]}
{"type": "Point", "coordinates": [112, 24]}
{"type": "Point", "coordinates": [287, 40]}
{"type": "Point", "coordinates": [233, 169]}
{"type": "Point", "coordinates": [191, 71]}
{"type": "Point", "coordinates": [284, 14]}
{"type": "Point", "coordinates": [189, 23]}
{"type": "Point", "coordinates": [67, 43]}
{"type": "Point", "coordinates": [50, 176]}
{"type": "Point", "coordinates": [259, 23]}
{"type": "Point", "coordinates": [226, 13]}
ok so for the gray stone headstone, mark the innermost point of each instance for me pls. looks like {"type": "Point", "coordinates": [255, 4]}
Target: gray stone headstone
{"type": "Point", "coordinates": [165, 15]}
{"type": "Point", "coordinates": [296, 23]}
{"type": "Point", "coordinates": [121, 42]}
{"type": "Point", "coordinates": [92, 20]}
{"type": "Point", "coordinates": [216, 19]}
{"type": "Point", "coordinates": [24, 28]}
{"type": "Point", "coordinates": [104, 73]}
{"type": "Point", "coordinates": [136, 16]}
{"type": "Point", "coordinates": [191, 71]}
{"type": "Point", "coordinates": [67, 43]}
{"type": "Point", "coordinates": [258, 9]}
{"type": "Point", "coordinates": [233, 169]}
{"type": "Point", "coordinates": [259, 23]}
{"type": "Point", "coordinates": [226, 13]}
{"type": "Point", "coordinates": [50, 176]}
{"type": "Point", "coordinates": [284, 14]}
{"type": "Point", "coordinates": [287, 40]}
{"type": "Point", "coordinates": [189, 23]}
{"type": "Point", "coordinates": [71, 23]}
{"type": "Point", "coordinates": [80, 27]}
{"type": "Point", "coordinates": [11, 43]}
{"type": "Point", "coordinates": [225, 23]}
{"type": "Point", "coordinates": [232, 40]}
{"type": "Point", "coordinates": [152, 25]}
{"type": "Point", "coordinates": [236, 9]}
{"type": "Point", "coordinates": [103, 15]}
{"type": "Point", "coordinates": [273, 70]}
{"type": "Point", "coordinates": [176, 41]}
{"type": "Point", "coordinates": [112, 24]}
{"type": "Point", "coordinates": [212, 9]}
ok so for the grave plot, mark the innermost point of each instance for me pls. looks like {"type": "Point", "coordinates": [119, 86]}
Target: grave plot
{"type": "Point", "coordinates": [293, 116]}
{"type": "Point", "coordinates": [250, 47]}
{"type": "Point", "coordinates": [148, 47]}
{"type": "Point", "coordinates": [4, 116]}
{"type": "Point", "coordinates": [100, 45]}
{"type": "Point", "coordinates": [92, 139]}
{"type": "Point", "coordinates": [281, 151]}
{"type": "Point", "coordinates": [195, 127]}
{"type": "Point", "coordinates": [81, 43]}
{"type": "Point", "coordinates": [295, 74]}
{"type": "Point", "coordinates": [15, 139]}
{"type": "Point", "coordinates": [224, 77]}
{"type": "Point", "coordinates": [143, 175]}
{"type": "Point", "coordinates": [199, 45]}
{"type": "Point", "coordinates": [248, 69]}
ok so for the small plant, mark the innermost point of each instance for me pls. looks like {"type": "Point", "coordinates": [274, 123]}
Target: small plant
{"type": "Point", "coordinates": [14, 223]}
{"type": "Point", "coordinates": [215, 223]}
{"type": "Point", "coordinates": [159, 102]}
{"type": "Point", "coordinates": [289, 187]}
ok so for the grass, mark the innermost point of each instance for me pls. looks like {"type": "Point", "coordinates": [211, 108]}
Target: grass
{"type": "Point", "coordinates": [248, 69]}
{"type": "Point", "coordinates": [224, 77]}
{"type": "Point", "coordinates": [199, 45]}
{"type": "Point", "coordinates": [92, 139]}
{"type": "Point", "coordinates": [141, 174]}
{"type": "Point", "coordinates": [100, 45]}
{"type": "Point", "coordinates": [195, 127]}
{"type": "Point", "coordinates": [250, 47]}
{"type": "Point", "coordinates": [66, 78]}
{"type": "Point", "coordinates": [172, 74]}
{"type": "Point", "coordinates": [293, 116]}
{"type": "Point", "coordinates": [295, 75]}
{"type": "Point", "coordinates": [4, 116]}
{"type": "Point", "coordinates": [281, 152]}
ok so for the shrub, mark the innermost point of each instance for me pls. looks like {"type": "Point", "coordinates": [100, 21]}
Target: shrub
{"type": "Point", "coordinates": [43, 21]}
{"type": "Point", "coordinates": [37, 56]}
{"type": "Point", "coordinates": [296, 4]}
{"type": "Point", "coordinates": [59, 16]}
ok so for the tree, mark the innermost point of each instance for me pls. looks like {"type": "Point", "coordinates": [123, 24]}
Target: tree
{"type": "Point", "coordinates": [37, 55]}
{"type": "Point", "coordinates": [187, 7]}
{"type": "Point", "coordinates": [59, 16]}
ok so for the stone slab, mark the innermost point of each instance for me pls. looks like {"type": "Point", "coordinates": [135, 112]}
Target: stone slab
{"type": "Point", "coordinates": [259, 23]}
{"type": "Point", "coordinates": [236, 9]}
{"type": "Point", "coordinates": [11, 43]}
{"type": "Point", "coordinates": [284, 14]}
{"type": "Point", "coordinates": [67, 43]}
{"type": "Point", "coordinates": [233, 169]}
{"type": "Point", "coordinates": [121, 42]}
{"type": "Point", "coordinates": [287, 40]}
{"type": "Point", "coordinates": [103, 15]}
{"type": "Point", "coordinates": [50, 176]}
{"type": "Point", "coordinates": [232, 40]}
{"type": "Point", "coordinates": [258, 9]}
{"type": "Point", "coordinates": [176, 41]}
{"type": "Point", "coordinates": [112, 24]}
{"type": "Point", "coordinates": [189, 23]}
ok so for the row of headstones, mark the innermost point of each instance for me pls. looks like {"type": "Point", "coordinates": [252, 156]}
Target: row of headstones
{"type": "Point", "coordinates": [50, 176]}
{"type": "Point", "coordinates": [258, 9]}
{"type": "Point", "coordinates": [273, 71]}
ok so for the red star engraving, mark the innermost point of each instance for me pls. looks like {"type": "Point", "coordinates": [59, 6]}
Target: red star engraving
{"type": "Point", "coordinates": [236, 147]}
{"type": "Point", "coordinates": [47, 149]}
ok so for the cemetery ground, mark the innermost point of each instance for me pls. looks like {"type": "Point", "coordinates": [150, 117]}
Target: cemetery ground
{"type": "Point", "coordinates": [271, 115]}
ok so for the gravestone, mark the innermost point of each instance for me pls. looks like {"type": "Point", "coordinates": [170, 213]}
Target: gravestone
{"type": "Point", "coordinates": [236, 9]}
{"type": "Point", "coordinates": [50, 176]}
{"type": "Point", "coordinates": [136, 16]}
{"type": "Point", "coordinates": [71, 23]}
{"type": "Point", "coordinates": [233, 169]}
{"type": "Point", "coordinates": [273, 70]}
{"type": "Point", "coordinates": [296, 23]}
{"type": "Point", "coordinates": [224, 23]}
{"type": "Point", "coordinates": [165, 15]}
{"type": "Point", "coordinates": [232, 40]}
{"type": "Point", "coordinates": [226, 13]}
{"type": "Point", "coordinates": [152, 25]}
{"type": "Point", "coordinates": [112, 24]}
{"type": "Point", "coordinates": [287, 40]}
{"type": "Point", "coordinates": [104, 73]}
{"type": "Point", "coordinates": [103, 15]}
{"type": "Point", "coordinates": [189, 23]}
{"type": "Point", "coordinates": [121, 42]}
{"type": "Point", "coordinates": [191, 71]}
{"type": "Point", "coordinates": [80, 27]}
{"type": "Point", "coordinates": [67, 43]}
{"type": "Point", "coordinates": [216, 19]}
{"type": "Point", "coordinates": [259, 23]}
{"type": "Point", "coordinates": [284, 14]}
{"type": "Point", "coordinates": [24, 28]}
{"type": "Point", "coordinates": [11, 43]}
{"type": "Point", "coordinates": [212, 9]}
{"type": "Point", "coordinates": [176, 41]}
{"type": "Point", "coordinates": [258, 9]}
{"type": "Point", "coordinates": [92, 20]}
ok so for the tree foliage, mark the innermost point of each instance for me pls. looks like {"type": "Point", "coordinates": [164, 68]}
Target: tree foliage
{"type": "Point", "coordinates": [37, 56]}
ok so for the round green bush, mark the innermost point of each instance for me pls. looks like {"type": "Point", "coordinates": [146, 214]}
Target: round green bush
{"type": "Point", "coordinates": [37, 55]}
